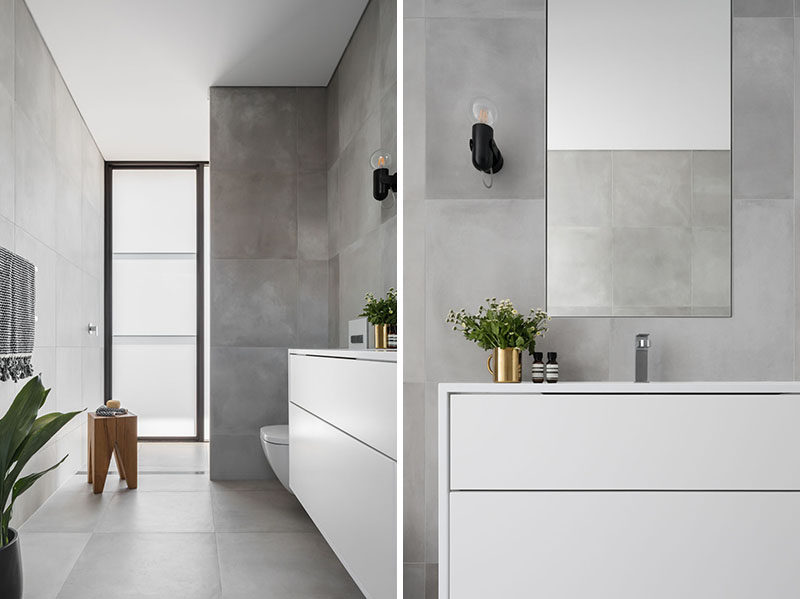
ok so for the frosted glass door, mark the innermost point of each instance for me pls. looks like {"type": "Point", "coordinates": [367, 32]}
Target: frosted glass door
{"type": "Point", "coordinates": [154, 298]}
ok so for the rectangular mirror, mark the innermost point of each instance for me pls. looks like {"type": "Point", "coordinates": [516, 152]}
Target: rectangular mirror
{"type": "Point", "coordinates": [639, 158]}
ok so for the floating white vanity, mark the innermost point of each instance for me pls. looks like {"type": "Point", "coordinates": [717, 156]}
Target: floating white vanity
{"type": "Point", "coordinates": [619, 490]}
{"type": "Point", "coordinates": [343, 457]}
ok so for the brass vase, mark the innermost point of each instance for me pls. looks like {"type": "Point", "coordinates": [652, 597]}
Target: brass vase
{"type": "Point", "coordinates": [381, 336]}
{"type": "Point", "coordinates": [507, 365]}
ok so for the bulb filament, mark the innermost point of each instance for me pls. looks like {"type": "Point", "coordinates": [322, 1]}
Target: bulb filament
{"type": "Point", "coordinates": [490, 179]}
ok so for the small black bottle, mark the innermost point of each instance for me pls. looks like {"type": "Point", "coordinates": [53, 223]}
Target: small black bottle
{"type": "Point", "coordinates": [537, 369]}
{"type": "Point", "coordinates": [551, 368]}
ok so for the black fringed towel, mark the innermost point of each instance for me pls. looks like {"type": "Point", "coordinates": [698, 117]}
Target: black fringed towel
{"type": "Point", "coordinates": [17, 315]}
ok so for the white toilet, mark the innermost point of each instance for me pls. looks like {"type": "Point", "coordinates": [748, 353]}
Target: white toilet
{"type": "Point", "coordinates": [275, 443]}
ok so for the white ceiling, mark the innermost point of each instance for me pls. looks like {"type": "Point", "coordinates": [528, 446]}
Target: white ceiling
{"type": "Point", "coordinates": [140, 70]}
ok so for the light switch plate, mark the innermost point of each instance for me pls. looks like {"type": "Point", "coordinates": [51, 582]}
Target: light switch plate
{"type": "Point", "coordinates": [358, 334]}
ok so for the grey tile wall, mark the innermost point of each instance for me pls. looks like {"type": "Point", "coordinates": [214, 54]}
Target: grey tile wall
{"type": "Point", "coordinates": [763, 8]}
{"type": "Point", "coordinates": [296, 237]}
{"type": "Point", "coordinates": [270, 279]}
{"type": "Point", "coordinates": [469, 58]}
{"type": "Point", "coordinates": [758, 342]}
{"type": "Point", "coordinates": [362, 117]}
{"type": "Point", "coordinates": [763, 88]}
{"type": "Point", "coordinates": [51, 198]}
{"type": "Point", "coordinates": [639, 233]}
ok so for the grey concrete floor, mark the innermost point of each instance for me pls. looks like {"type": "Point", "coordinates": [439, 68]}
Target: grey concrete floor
{"type": "Point", "coordinates": [178, 535]}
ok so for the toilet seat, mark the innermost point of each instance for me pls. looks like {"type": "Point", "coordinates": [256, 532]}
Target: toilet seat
{"type": "Point", "coordinates": [277, 434]}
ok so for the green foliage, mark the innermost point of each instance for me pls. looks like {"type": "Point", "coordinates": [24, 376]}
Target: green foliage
{"type": "Point", "coordinates": [22, 434]}
{"type": "Point", "coordinates": [499, 324]}
{"type": "Point", "coordinates": [381, 310]}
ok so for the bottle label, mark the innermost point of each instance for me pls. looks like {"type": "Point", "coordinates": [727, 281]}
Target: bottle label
{"type": "Point", "coordinates": [551, 371]}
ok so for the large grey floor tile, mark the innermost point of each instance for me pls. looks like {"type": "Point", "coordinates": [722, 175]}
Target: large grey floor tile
{"type": "Point", "coordinates": [173, 456]}
{"type": "Point", "coordinates": [137, 565]}
{"type": "Point", "coordinates": [259, 511]}
{"type": "Point", "coordinates": [79, 484]}
{"type": "Point", "coordinates": [157, 481]}
{"type": "Point", "coordinates": [47, 558]}
{"type": "Point", "coordinates": [158, 512]}
{"type": "Point", "coordinates": [281, 566]}
{"type": "Point", "coordinates": [69, 512]}
{"type": "Point", "coordinates": [170, 482]}
{"type": "Point", "coordinates": [232, 486]}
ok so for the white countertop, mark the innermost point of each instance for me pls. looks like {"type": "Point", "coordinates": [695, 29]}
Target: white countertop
{"type": "Point", "coordinates": [372, 355]}
{"type": "Point", "coordinates": [625, 387]}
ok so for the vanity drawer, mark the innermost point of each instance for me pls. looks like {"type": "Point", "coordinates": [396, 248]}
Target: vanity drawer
{"type": "Point", "coordinates": [625, 441]}
{"type": "Point", "coordinates": [626, 545]}
{"type": "Point", "coordinates": [356, 396]}
{"type": "Point", "coordinates": [349, 491]}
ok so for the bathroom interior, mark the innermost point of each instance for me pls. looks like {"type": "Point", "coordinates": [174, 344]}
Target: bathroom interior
{"type": "Point", "coordinates": [638, 178]}
{"type": "Point", "coordinates": [212, 204]}
{"type": "Point", "coordinates": [195, 185]}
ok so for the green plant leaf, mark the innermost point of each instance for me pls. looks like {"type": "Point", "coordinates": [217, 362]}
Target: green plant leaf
{"type": "Point", "coordinates": [41, 432]}
{"type": "Point", "coordinates": [15, 426]}
{"type": "Point", "coordinates": [26, 482]}
{"type": "Point", "coordinates": [19, 418]}
{"type": "Point", "coordinates": [22, 434]}
{"type": "Point", "coordinates": [22, 485]}
{"type": "Point", "coordinates": [499, 324]}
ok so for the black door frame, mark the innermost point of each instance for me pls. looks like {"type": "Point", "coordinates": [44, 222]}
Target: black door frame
{"type": "Point", "coordinates": [199, 168]}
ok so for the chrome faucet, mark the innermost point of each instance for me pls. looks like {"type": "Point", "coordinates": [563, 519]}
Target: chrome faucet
{"type": "Point", "coordinates": [642, 345]}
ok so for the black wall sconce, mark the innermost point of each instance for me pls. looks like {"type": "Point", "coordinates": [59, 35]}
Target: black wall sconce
{"type": "Point", "coordinates": [382, 181]}
{"type": "Point", "coordinates": [486, 156]}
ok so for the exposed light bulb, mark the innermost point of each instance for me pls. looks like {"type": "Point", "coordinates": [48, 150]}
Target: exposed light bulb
{"type": "Point", "coordinates": [380, 159]}
{"type": "Point", "coordinates": [484, 111]}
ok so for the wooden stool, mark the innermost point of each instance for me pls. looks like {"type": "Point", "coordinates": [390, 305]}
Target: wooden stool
{"type": "Point", "coordinates": [117, 435]}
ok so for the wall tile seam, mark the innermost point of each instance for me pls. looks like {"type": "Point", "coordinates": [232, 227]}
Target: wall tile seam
{"type": "Point", "coordinates": [762, 199]}
{"type": "Point", "coordinates": [233, 170]}
{"type": "Point", "coordinates": [763, 17]}
{"type": "Point", "coordinates": [463, 199]}
{"type": "Point", "coordinates": [313, 171]}
{"type": "Point", "coordinates": [53, 249]}
{"type": "Point", "coordinates": [281, 347]}
{"type": "Point", "coordinates": [794, 275]}
{"type": "Point", "coordinates": [360, 240]}
{"type": "Point", "coordinates": [424, 285]}
{"type": "Point", "coordinates": [256, 259]}
{"type": "Point", "coordinates": [374, 111]}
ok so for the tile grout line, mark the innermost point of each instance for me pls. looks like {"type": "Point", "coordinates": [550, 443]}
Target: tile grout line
{"type": "Point", "coordinates": [75, 563]}
{"type": "Point", "coordinates": [216, 541]}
